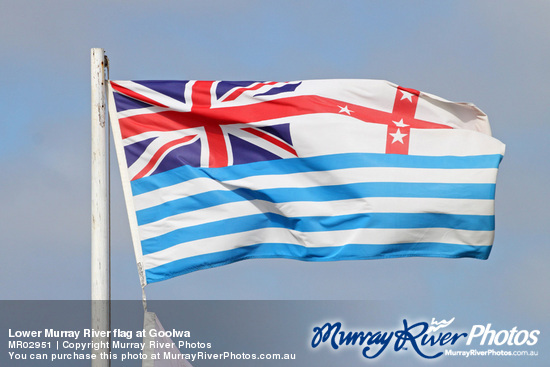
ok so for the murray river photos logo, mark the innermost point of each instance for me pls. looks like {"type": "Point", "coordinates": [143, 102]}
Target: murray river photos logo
{"type": "Point", "coordinates": [427, 340]}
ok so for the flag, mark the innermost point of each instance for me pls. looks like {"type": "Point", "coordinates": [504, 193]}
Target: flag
{"type": "Point", "coordinates": [216, 172]}
{"type": "Point", "coordinates": [159, 350]}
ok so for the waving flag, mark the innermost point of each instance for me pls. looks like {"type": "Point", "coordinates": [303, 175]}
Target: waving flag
{"type": "Point", "coordinates": [318, 170]}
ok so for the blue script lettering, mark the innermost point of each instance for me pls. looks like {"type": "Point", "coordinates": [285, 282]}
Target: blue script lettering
{"type": "Point", "coordinates": [322, 336]}
{"type": "Point", "coordinates": [406, 335]}
{"type": "Point", "coordinates": [441, 339]}
{"type": "Point", "coordinates": [339, 338]}
{"type": "Point", "coordinates": [331, 332]}
{"type": "Point", "coordinates": [377, 338]}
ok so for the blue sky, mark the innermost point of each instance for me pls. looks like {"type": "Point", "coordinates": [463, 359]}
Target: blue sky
{"type": "Point", "coordinates": [494, 54]}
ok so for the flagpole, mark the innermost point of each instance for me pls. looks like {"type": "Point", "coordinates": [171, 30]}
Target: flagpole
{"type": "Point", "coordinates": [100, 272]}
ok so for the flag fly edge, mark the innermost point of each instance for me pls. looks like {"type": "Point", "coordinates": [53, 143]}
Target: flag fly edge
{"type": "Point", "coordinates": [126, 188]}
{"type": "Point", "coordinates": [215, 173]}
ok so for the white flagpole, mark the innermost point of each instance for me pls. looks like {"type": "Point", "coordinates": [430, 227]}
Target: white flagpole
{"type": "Point", "coordinates": [101, 287]}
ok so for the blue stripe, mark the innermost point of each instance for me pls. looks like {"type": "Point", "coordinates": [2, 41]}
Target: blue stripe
{"type": "Point", "coordinates": [318, 224]}
{"type": "Point", "coordinates": [281, 89]}
{"type": "Point", "coordinates": [123, 103]}
{"type": "Point", "coordinates": [322, 163]}
{"type": "Point", "coordinates": [316, 194]}
{"type": "Point", "coordinates": [290, 251]}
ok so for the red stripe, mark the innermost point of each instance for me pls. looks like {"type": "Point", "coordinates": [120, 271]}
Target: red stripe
{"type": "Point", "coordinates": [202, 115]}
{"type": "Point", "coordinates": [268, 110]}
{"type": "Point", "coordinates": [271, 139]}
{"type": "Point", "coordinates": [403, 110]}
{"type": "Point", "coordinates": [132, 94]}
{"type": "Point", "coordinates": [162, 121]}
{"type": "Point", "coordinates": [158, 154]}
{"type": "Point", "coordinates": [397, 147]}
{"type": "Point", "coordinates": [216, 146]}
{"type": "Point", "coordinates": [201, 96]}
{"type": "Point", "coordinates": [240, 91]}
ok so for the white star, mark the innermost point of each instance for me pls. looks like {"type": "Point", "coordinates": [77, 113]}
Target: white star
{"type": "Point", "coordinates": [400, 123]}
{"type": "Point", "coordinates": [398, 136]}
{"type": "Point", "coordinates": [345, 109]}
{"type": "Point", "coordinates": [406, 95]}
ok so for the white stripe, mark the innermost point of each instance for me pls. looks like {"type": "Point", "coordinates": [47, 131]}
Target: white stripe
{"type": "Point", "coordinates": [247, 97]}
{"type": "Point", "coordinates": [312, 179]}
{"type": "Point", "coordinates": [141, 111]}
{"type": "Point", "coordinates": [159, 161]}
{"type": "Point", "coordinates": [188, 93]}
{"type": "Point", "coordinates": [455, 142]}
{"type": "Point", "coordinates": [237, 130]}
{"type": "Point", "coordinates": [318, 239]}
{"type": "Point", "coordinates": [375, 94]}
{"type": "Point", "coordinates": [158, 97]}
{"type": "Point", "coordinates": [165, 135]}
{"type": "Point", "coordinates": [232, 90]}
{"type": "Point", "coordinates": [151, 150]}
{"type": "Point", "coordinates": [305, 209]}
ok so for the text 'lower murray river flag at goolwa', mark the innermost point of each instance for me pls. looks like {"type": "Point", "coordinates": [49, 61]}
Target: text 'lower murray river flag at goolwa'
{"type": "Point", "coordinates": [316, 170]}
